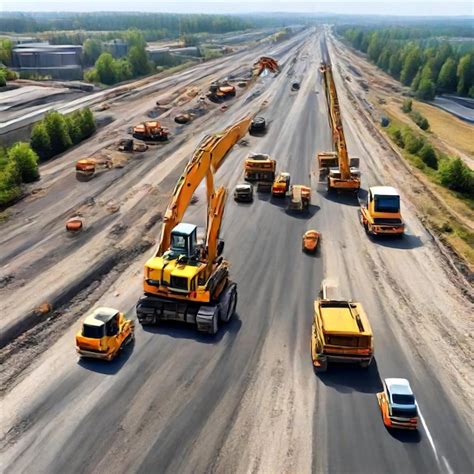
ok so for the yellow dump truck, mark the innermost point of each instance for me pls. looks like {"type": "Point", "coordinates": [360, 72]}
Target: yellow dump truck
{"type": "Point", "coordinates": [381, 215]}
{"type": "Point", "coordinates": [341, 333]}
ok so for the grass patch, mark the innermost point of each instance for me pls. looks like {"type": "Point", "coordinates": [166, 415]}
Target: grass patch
{"type": "Point", "coordinates": [452, 222]}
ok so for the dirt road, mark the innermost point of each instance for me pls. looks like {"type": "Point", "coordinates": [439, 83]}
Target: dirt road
{"type": "Point", "coordinates": [248, 400]}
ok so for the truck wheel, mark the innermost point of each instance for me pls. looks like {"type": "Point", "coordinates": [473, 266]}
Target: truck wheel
{"type": "Point", "coordinates": [229, 303]}
{"type": "Point", "coordinates": [215, 324]}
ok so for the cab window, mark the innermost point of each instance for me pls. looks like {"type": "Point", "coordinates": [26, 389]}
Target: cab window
{"type": "Point", "coordinates": [93, 332]}
{"type": "Point", "coordinates": [112, 326]}
{"type": "Point", "coordinates": [387, 203]}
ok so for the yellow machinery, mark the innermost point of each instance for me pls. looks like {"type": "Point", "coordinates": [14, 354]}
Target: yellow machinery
{"type": "Point", "coordinates": [382, 214]}
{"type": "Point", "coordinates": [104, 333]}
{"type": "Point", "coordinates": [281, 185]}
{"type": "Point", "coordinates": [260, 168]}
{"type": "Point", "coordinates": [340, 174]}
{"type": "Point", "coordinates": [300, 198]}
{"type": "Point", "coordinates": [86, 168]}
{"type": "Point", "coordinates": [185, 281]}
{"type": "Point", "coordinates": [341, 332]}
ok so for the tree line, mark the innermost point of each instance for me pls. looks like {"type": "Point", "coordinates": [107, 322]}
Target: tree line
{"type": "Point", "coordinates": [172, 24]}
{"type": "Point", "coordinates": [428, 65]}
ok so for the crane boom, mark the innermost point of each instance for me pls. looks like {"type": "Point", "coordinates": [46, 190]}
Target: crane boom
{"type": "Point", "coordinates": [336, 122]}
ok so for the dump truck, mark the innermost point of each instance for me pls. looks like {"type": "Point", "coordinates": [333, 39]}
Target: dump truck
{"type": "Point", "coordinates": [260, 168]}
{"type": "Point", "coordinates": [381, 215]}
{"type": "Point", "coordinates": [340, 332]}
{"type": "Point", "coordinates": [152, 131]}
{"type": "Point", "coordinates": [281, 185]}
{"type": "Point", "coordinates": [341, 177]}
{"type": "Point", "coordinates": [300, 198]}
{"type": "Point", "coordinates": [86, 168]}
{"type": "Point", "coordinates": [185, 280]}
{"type": "Point", "coordinates": [220, 91]}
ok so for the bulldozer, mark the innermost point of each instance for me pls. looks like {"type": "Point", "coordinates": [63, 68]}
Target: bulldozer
{"type": "Point", "coordinates": [336, 165]}
{"type": "Point", "coordinates": [185, 280]}
{"type": "Point", "coordinates": [152, 131]}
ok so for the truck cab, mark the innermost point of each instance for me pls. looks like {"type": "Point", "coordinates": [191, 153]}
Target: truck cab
{"type": "Point", "coordinates": [281, 185]}
{"type": "Point", "coordinates": [382, 213]}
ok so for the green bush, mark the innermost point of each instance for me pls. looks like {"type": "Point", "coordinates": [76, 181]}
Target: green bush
{"type": "Point", "coordinates": [58, 133]}
{"type": "Point", "coordinates": [407, 105]}
{"type": "Point", "coordinates": [457, 176]}
{"type": "Point", "coordinates": [428, 156]}
{"type": "Point", "coordinates": [26, 161]}
{"type": "Point", "coordinates": [3, 78]}
{"type": "Point", "coordinates": [39, 141]}
{"type": "Point", "coordinates": [420, 120]}
{"type": "Point", "coordinates": [412, 143]}
{"type": "Point", "coordinates": [426, 90]}
{"type": "Point", "coordinates": [73, 123]}
{"type": "Point", "coordinates": [87, 123]}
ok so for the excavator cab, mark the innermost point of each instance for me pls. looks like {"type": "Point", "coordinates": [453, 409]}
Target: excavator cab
{"type": "Point", "coordinates": [184, 240]}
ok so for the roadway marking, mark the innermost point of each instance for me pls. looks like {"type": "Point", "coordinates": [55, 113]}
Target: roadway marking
{"type": "Point", "coordinates": [430, 438]}
{"type": "Point", "coordinates": [448, 467]}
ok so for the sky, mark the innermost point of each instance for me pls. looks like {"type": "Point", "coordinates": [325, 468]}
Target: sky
{"type": "Point", "coordinates": [377, 7]}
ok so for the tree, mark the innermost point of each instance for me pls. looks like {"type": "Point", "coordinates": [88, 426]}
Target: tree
{"type": "Point", "coordinates": [447, 76]}
{"type": "Point", "coordinates": [3, 78]}
{"type": "Point", "coordinates": [426, 90]}
{"type": "Point", "coordinates": [39, 141]}
{"type": "Point", "coordinates": [465, 74]}
{"type": "Point", "coordinates": [123, 70]}
{"type": "Point", "coordinates": [91, 50]}
{"type": "Point", "coordinates": [6, 47]}
{"type": "Point", "coordinates": [135, 37]}
{"type": "Point", "coordinates": [87, 123]}
{"type": "Point", "coordinates": [428, 156]}
{"type": "Point", "coordinates": [375, 47]}
{"type": "Point", "coordinates": [456, 175]}
{"type": "Point", "coordinates": [412, 142]}
{"type": "Point", "coordinates": [395, 65]}
{"type": "Point", "coordinates": [138, 60]}
{"type": "Point", "coordinates": [57, 131]}
{"type": "Point", "coordinates": [73, 123]}
{"type": "Point", "coordinates": [411, 64]}
{"type": "Point", "coordinates": [105, 67]}
{"type": "Point", "coordinates": [26, 160]}
{"type": "Point", "coordinates": [10, 182]}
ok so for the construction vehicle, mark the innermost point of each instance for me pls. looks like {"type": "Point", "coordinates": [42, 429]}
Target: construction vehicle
{"type": "Point", "coordinates": [382, 214]}
{"type": "Point", "coordinates": [258, 126]}
{"type": "Point", "coordinates": [86, 168]}
{"type": "Point", "coordinates": [340, 332]}
{"type": "Point", "coordinates": [310, 241]}
{"type": "Point", "coordinates": [150, 131]}
{"type": "Point", "coordinates": [281, 185]}
{"type": "Point", "coordinates": [243, 192]}
{"type": "Point", "coordinates": [300, 198]}
{"type": "Point", "coordinates": [342, 177]}
{"type": "Point", "coordinates": [265, 63]}
{"type": "Point", "coordinates": [185, 281]}
{"type": "Point", "coordinates": [220, 91]}
{"type": "Point", "coordinates": [260, 168]}
{"type": "Point", "coordinates": [104, 333]}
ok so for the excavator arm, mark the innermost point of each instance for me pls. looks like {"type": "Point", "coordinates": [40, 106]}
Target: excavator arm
{"type": "Point", "coordinates": [205, 161]}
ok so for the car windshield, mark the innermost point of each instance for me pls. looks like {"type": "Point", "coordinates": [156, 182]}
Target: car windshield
{"type": "Point", "coordinates": [94, 332]}
{"type": "Point", "coordinates": [387, 203]}
{"type": "Point", "coordinates": [403, 399]}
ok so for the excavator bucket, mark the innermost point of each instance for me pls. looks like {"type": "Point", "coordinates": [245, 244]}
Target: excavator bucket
{"type": "Point", "coordinates": [265, 62]}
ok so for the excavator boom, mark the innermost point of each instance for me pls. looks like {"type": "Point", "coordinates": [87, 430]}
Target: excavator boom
{"type": "Point", "coordinates": [205, 160]}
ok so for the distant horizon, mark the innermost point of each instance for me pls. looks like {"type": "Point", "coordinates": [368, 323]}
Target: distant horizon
{"type": "Point", "coordinates": [401, 8]}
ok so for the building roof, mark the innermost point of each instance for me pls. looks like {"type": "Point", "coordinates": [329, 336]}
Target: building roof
{"type": "Point", "coordinates": [100, 316]}
{"type": "Point", "coordinates": [384, 191]}
{"type": "Point", "coordinates": [183, 228]}
{"type": "Point", "coordinates": [399, 386]}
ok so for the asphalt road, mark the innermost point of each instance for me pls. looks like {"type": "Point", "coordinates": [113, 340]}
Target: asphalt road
{"type": "Point", "coordinates": [248, 400]}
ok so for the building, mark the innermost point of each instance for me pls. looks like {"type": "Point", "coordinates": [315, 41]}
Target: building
{"type": "Point", "coordinates": [44, 59]}
{"type": "Point", "coordinates": [117, 48]}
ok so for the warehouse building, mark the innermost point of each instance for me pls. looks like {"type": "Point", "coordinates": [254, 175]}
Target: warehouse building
{"type": "Point", "coordinates": [44, 59]}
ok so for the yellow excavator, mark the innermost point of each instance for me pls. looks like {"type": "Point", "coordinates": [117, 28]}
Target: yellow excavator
{"type": "Point", "coordinates": [342, 173]}
{"type": "Point", "coordinates": [186, 281]}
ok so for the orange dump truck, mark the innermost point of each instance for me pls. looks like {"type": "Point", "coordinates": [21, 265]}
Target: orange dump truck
{"type": "Point", "coordinates": [260, 168]}
{"type": "Point", "coordinates": [86, 168]}
{"type": "Point", "coordinates": [150, 131]}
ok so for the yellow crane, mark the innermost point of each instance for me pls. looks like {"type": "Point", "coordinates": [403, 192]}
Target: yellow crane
{"type": "Point", "coordinates": [341, 171]}
{"type": "Point", "coordinates": [186, 281]}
